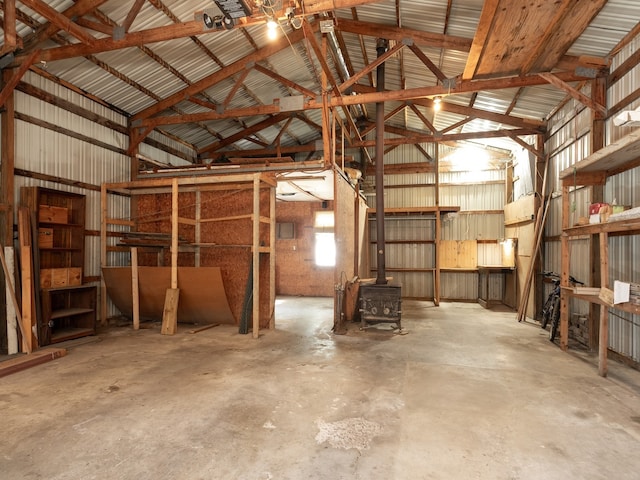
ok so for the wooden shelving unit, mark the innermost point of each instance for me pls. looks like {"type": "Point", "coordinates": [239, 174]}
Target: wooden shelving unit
{"type": "Point", "coordinates": [615, 158]}
{"type": "Point", "coordinates": [433, 214]}
{"type": "Point", "coordinates": [68, 307]}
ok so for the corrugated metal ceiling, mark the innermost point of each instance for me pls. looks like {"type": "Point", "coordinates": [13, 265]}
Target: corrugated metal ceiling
{"type": "Point", "coordinates": [135, 78]}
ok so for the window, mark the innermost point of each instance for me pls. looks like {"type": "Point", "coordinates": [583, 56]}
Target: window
{"type": "Point", "coordinates": [324, 237]}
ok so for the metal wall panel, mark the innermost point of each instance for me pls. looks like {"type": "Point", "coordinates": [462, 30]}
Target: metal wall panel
{"type": "Point", "coordinates": [473, 227]}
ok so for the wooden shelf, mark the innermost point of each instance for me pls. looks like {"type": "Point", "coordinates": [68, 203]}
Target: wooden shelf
{"type": "Point", "coordinates": [616, 157]}
{"type": "Point", "coordinates": [621, 226]}
{"type": "Point", "coordinates": [624, 307]}
{"type": "Point", "coordinates": [68, 308]}
{"type": "Point", "coordinates": [70, 333]}
{"type": "Point", "coordinates": [414, 210]}
{"type": "Point", "coordinates": [69, 312]}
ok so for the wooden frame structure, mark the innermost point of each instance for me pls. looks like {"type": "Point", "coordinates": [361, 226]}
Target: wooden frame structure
{"type": "Point", "coordinates": [613, 159]}
{"type": "Point", "coordinates": [199, 183]}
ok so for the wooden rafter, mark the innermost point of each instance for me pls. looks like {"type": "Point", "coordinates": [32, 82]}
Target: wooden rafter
{"type": "Point", "coordinates": [452, 127]}
{"type": "Point", "coordinates": [363, 49]}
{"type": "Point", "coordinates": [60, 20]}
{"type": "Point", "coordinates": [427, 61]}
{"type": "Point", "coordinates": [47, 30]}
{"type": "Point", "coordinates": [133, 13]}
{"type": "Point", "coordinates": [9, 26]}
{"type": "Point", "coordinates": [379, 60]}
{"type": "Point", "coordinates": [417, 94]}
{"type": "Point", "coordinates": [244, 133]}
{"type": "Point", "coordinates": [581, 97]}
{"type": "Point", "coordinates": [422, 117]}
{"type": "Point", "coordinates": [276, 141]}
{"type": "Point", "coordinates": [95, 26]}
{"type": "Point", "coordinates": [220, 75]}
{"type": "Point", "coordinates": [11, 83]}
{"type": "Point", "coordinates": [528, 147]}
{"type": "Point", "coordinates": [238, 83]}
{"type": "Point", "coordinates": [482, 33]}
{"type": "Point", "coordinates": [285, 81]}
{"type": "Point", "coordinates": [315, 46]}
{"type": "Point", "coordinates": [401, 34]}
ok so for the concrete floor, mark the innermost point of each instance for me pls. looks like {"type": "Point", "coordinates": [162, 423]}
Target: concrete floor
{"type": "Point", "coordinates": [466, 394]}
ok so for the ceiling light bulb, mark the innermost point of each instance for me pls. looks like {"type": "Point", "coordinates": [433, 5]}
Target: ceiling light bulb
{"type": "Point", "coordinates": [437, 103]}
{"type": "Point", "coordinates": [272, 29]}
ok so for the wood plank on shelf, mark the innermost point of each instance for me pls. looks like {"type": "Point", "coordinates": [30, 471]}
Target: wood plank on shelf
{"type": "Point", "coordinates": [615, 157]}
{"type": "Point", "coordinates": [626, 226]}
{"type": "Point", "coordinates": [625, 307]}
{"type": "Point", "coordinates": [415, 210]}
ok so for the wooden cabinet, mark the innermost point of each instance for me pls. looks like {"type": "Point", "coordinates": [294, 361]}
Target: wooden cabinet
{"type": "Point", "coordinates": [67, 310]}
{"type": "Point", "coordinates": [615, 158]}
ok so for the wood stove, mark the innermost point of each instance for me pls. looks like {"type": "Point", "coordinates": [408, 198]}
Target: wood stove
{"type": "Point", "coordinates": [380, 301]}
{"type": "Point", "coordinates": [380, 304]}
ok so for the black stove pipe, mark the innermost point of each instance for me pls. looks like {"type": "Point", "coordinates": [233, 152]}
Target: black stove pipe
{"type": "Point", "coordinates": [381, 47]}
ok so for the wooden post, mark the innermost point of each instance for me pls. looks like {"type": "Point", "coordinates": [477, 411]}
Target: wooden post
{"type": "Point", "coordinates": [103, 253]}
{"type": "Point", "coordinates": [272, 256]}
{"type": "Point", "coordinates": [599, 96]}
{"type": "Point", "coordinates": [256, 255]}
{"type": "Point", "coordinates": [170, 313]}
{"type": "Point", "coordinates": [436, 280]}
{"type": "Point", "coordinates": [26, 267]}
{"type": "Point", "coordinates": [135, 294]}
{"type": "Point", "coordinates": [564, 272]}
{"type": "Point", "coordinates": [603, 343]}
{"type": "Point", "coordinates": [7, 268]}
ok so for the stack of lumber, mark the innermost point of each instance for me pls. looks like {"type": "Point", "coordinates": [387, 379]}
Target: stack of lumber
{"type": "Point", "coordinates": [147, 239]}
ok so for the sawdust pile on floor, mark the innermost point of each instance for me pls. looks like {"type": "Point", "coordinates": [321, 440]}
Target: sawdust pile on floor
{"type": "Point", "coordinates": [348, 433]}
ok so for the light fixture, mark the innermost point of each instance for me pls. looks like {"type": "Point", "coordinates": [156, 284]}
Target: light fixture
{"type": "Point", "coordinates": [272, 28]}
{"type": "Point", "coordinates": [437, 101]}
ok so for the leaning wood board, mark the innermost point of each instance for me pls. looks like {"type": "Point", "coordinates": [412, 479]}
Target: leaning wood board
{"type": "Point", "coordinates": [202, 294]}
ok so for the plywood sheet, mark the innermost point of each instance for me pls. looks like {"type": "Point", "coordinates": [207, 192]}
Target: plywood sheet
{"type": "Point", "coordinates": [203, 299]}
{"type": "Point", "coordinates": [522, 210]}
{"type": "Point", "coordinates": [458, 254]}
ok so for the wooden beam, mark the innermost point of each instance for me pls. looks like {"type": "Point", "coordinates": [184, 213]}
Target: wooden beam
{"type": "Point", "coordinates": [379, 60]}
{"type": "Point", "coordinates": [133, 13]}
{"type": "Point", "coordinates": [9, 26]}
{"type": "Point", "coordinates": [239, 81]}
{"type": "Point", "coordinates": [400, 34]}
{"type": "Point", "coordinates": [305, 91]}
{"type": "Point", "coordinates": [311, 38]}
{"type": "Point", "coordinates": [242, 134]}
{"type": "Point", "coordinates": [421, 116]}
{"type": "Point", "coordinates": [207, 82]}
{"type": "Point", "coordinates": [482, 33]}
{"type": "Point", "coordinates": [96, 26]}
{"type": "Point", "coordinates": [46, 31]}
{"type": "Point", "coordinates": [427, 61]}
{"type": "Point", "coordinates": [579, 96]}
{"type": "Point", "coordinates": [11, 83]}
{"type": "Point", "coordinates": [59, 20]}
{"type": "Point", "coordinates": [528, 147]}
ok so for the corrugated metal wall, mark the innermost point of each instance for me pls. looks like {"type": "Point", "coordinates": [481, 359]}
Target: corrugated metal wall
{"type": "Point", "coordinates": [45, 151]}
{"type": "Point", "coordinates": [479, 191]}
{"type": "Point", "coordinates": [569, 143]}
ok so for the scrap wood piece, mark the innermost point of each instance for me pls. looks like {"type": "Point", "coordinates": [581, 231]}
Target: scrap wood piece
{"type": "Point", "coordinates": [206, 327]}
{"type": "Point", "coordinates": [24, 362]}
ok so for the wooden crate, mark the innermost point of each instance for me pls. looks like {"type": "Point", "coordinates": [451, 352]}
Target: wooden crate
{"type": "Point", "coordinates": [50, 214]}
{"type": "Point", "coordinates": [60, 277]}
{"type": "Point", "coordinates": [45, 237]}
